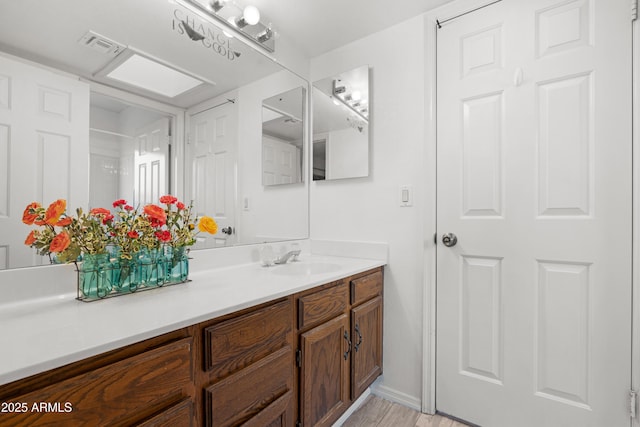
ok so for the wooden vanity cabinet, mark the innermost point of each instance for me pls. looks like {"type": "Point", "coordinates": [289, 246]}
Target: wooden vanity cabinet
{"type": "Point", "coordinates": [339, 350]}
{"type": "Point", "coordinates": [148, 383]}
{"type": "Point", "coordinates": [299, 360]}
{"type": "Point", "coordinates": [247, 376]}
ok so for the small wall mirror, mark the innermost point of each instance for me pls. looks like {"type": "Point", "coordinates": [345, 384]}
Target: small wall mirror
{"type": "Point", "coordinates": [341, 106]}
{"type": "Point", "coordinates": [283, 138]}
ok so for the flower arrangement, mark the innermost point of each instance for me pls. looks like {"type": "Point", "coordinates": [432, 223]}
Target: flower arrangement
{"type": "Point", "coordinates": [125, 235]}
{"type": "Point", "coordinates": [90, 233]}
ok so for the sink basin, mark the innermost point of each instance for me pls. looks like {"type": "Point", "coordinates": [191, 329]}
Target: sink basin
{"type": "Point", "coordinates": [305, 268]}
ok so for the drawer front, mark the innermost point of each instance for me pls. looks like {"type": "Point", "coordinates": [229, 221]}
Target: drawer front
{"type": "Point", "coordinates": [247, 393]}
{"type": "Point", "coordinates": [234, 344]}
{"type": "Point", "coordinates": [126, 391]}
{"type": "Point", "coordinates": [366, 287]}
{"type": "Point", "coordinates": [318, 307]}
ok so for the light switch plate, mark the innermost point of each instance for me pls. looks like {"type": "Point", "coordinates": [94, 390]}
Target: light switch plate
{"type": "Point", "coordinates": [405, 195]}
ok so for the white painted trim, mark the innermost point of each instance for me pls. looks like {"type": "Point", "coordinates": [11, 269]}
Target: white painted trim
{"type": "Point", "coordinates": [442, 13]}
{"type": "Point", "coordinates": [396, 396]}
{"type": "Point", "coordinates": [635, 266]}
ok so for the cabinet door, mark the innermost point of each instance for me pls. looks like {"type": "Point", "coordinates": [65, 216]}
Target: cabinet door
{"type": "Point", "coordinates": [324, 376]}
{"type": "Point", "coordinates": [366, 323]}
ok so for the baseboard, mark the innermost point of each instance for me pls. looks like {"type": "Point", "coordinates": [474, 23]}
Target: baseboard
{"type": "Point", "coordinates": [353, 408]}
{"type": "Point", "coordinates": [397, 396]}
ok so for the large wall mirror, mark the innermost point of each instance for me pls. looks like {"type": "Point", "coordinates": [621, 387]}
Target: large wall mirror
{"type": "Point", "coordinates": [341, 106]}
{"type": "Point", "coordinates": [199, 134]}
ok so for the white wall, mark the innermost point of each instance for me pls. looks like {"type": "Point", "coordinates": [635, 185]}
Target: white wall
{"type": "Point", "coordinates": [368, 209]}
{"type": "Point", "coordinates": [275, 212]}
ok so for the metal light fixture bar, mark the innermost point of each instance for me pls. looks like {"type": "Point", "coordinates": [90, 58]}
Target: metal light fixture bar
{"type": "Point", "coordinates": [228, 15]}
{"type": "Point", "coordinates": [340, 94]}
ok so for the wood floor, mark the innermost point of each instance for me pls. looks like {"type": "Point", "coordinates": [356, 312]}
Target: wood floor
{"type": "Point", "coordinates": [378, 412]}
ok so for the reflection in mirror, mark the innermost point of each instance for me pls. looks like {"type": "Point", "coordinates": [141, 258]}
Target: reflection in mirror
{"type": "Point", "coordinates": [283, 137]}
{"type": "Point", "coordinates": [91, 152]}
{"type": "Point", "coordinates": [129, 149]}
{"type": "Point", "coordinates": [341, 107]}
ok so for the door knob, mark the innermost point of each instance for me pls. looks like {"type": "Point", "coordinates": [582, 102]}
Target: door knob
{"type": "Point", "coordinates": [228, 230]}
{"type": "Point", "coordinates": [449, 239]}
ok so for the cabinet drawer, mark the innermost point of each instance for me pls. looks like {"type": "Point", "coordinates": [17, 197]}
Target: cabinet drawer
{"type": "Point", "coordinates": [366, 287]}
{"type": "Point", "coordinates": [234, 344]}
{"type": "Point", "coordinates": [245, 394]}
{"type": "Point", "coordinates": [321, 306]}
{"type": "Point", "coordinates": [126, 391]}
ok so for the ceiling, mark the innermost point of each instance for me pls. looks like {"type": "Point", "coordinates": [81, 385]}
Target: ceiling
{"type": "Point", "coordinates": [49, 32]}
{"type": "Point", "coordinates": [318, 26]}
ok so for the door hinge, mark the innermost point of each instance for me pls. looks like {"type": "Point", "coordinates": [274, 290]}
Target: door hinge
{"type": "Point", "coordinates": [634, 10]}
{"type": "Point", "coordinates": [633, 402]}
{"type": "Point", "coordinates": [299, 358]}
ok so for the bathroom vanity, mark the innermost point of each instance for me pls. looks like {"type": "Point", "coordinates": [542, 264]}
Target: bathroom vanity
{"type": "Point", "coordinates": [280, 346]}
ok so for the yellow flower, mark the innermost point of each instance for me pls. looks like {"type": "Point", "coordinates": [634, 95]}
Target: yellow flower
{"type": "Point", "coordinates": [208, 224]}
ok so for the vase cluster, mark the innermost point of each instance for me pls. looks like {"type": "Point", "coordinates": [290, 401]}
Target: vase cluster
{"type": "Point", "coordinates": [108, 274]}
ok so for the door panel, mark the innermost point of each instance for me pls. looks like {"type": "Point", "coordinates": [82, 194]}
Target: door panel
{"type": "Point", "coordinates": [534, 178]}
{"type": "Point", "coordinates": [44, 150]}
{"type": "Point", "coordinates": [212, 150]}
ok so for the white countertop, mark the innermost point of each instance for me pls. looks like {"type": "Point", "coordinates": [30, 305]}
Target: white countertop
{"type": "Point", "coordinates": [41, 334]}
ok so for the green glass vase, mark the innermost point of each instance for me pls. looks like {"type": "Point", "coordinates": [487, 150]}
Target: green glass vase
{"type": "Point", "coordinates": [95, 276]}
{"type": "Point", "coordinates": [177, 264]}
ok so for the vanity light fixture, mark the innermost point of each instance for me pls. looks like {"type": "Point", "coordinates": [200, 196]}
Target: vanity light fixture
{"type": "Point", "coordinates": [234, 20]}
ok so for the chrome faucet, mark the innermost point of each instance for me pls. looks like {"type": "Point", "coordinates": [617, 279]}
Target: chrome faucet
{"type": "Point", "coordinates": [284, 258]}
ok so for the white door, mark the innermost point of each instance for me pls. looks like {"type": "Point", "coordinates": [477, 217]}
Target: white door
{"type": "Point", "coordinates": [44, 150]}
{"type": "Point", "coordinates": [212, 152]}
{"type": "Point", "coordinates": [280, 162]}
{"type": "Point", "coordinates": [534, 179]}
{"type": "Point", "coordinates": [151, 162]}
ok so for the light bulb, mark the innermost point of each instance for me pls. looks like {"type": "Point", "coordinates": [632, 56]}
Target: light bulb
{"type": "Point", "coordinates": [251, 15]}
{"type": "Point", "coordinates": [356, 95]}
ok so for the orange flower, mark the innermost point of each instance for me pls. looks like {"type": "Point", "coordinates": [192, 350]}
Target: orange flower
{"type": "Point", "coordinates": [54, 211]}
{"type": "Point", "coordinates": [29, 215]}
{"type": "Point", "coordinates": [60, 242]}
{"type": "Point", "coordinates": [156, 214]}
{"type": "Point", "coordinates": [208, 225]}
{"type": "Point", "coordinates": [31, 238]}
{"type": "Point", "coordinates": [64, 222]}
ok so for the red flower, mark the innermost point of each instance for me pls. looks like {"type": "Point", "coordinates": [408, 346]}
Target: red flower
{"type": "Point", "coordinates": [156, 214]}
{"type": "Point", "coordinates": [163, 236]}
{"type": "Point", "coordinates": [54, 211]}
{"type": "Point", "coordinates": [64, 222]}
{"type": "Point", "coordinates": [119, 203]}
{"type": "Point", "coordinates": [30, 215]}
{"type": "Point", "coordinates": [133, 234]}
{"type": "Point", "coordinates": [128, 208]}
{"type": "Point", "coordinates": [99, 211]}
{"type": "Point", "coordinates": [168, 199]}
{"type": "Point", "coordinates": [180, 206]}
{"type": "Point", "coordinates": [60, 242]}
{"type": "Point", "coordinates": [31, 238]}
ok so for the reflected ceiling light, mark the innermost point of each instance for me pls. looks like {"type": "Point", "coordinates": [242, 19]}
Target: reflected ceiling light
{"type": "Point", "coordinates": [353, 101]}
{"type": "Point", "coordinates": [138, 70]}
{"type": "Point", "coordinates": [243, 22]}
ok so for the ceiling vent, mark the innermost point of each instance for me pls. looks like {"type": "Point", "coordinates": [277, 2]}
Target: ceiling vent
{"type": "Point", "coordinates": [101, 44]}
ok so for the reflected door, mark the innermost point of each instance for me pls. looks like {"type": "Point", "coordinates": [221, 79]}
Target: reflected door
{"type": "Point", "coordinates": [151, 161]}
{"type": "Point", "coordinates": [44, 150]}
{"type": "Point", "coordinates": [534, 178]}
{"type": "Point", "coordinates": [212, 152]}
